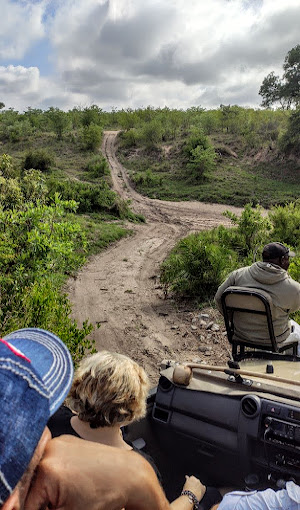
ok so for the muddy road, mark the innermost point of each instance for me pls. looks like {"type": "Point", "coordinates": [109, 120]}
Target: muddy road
{"type": "Point", "coordinates": [119, 288]}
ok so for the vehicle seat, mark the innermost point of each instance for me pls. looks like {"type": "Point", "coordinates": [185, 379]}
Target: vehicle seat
{"type": "Point", "coordinates": [250, 309]}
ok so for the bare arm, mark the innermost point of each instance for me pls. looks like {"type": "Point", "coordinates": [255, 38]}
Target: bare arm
{"type": "Point", "coordinates": [196, 487]}
{"type": "Point", "coordinates": [76, 474]}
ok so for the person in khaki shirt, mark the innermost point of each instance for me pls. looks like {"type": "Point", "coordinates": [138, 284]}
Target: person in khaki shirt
{"type": "Point", "coordinates": [270, 275]}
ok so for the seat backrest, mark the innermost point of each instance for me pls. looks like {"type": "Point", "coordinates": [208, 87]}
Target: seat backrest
{"type": "Point", "coordinates": [248, 316]}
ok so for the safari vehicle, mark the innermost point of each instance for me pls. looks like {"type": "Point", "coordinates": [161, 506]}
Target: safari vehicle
{"type": "Point", "coordinates": [232, 426]}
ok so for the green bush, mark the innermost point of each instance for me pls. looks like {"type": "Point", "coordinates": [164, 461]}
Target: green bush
{"type": "Point", "coordinates": [91, 137]}
{"type": "Point", "coordinates": [90, 197]}
{"type": "Point", "coordinates": [147, 178]}
{"type": "Point", "coordinates": [10, 193]}
{"type": "Point", "coordinates": [197, 266]}
{"type": "Point", "coordinates": [286, 223]}
{"type": "Point", "coordinates": [20, 130]}
{"type": "Point", "coordinates": [97, 166]}
{"type": "Point", "coordinates": [39, 159]}
{"type": "Point", "coordinates": [201, 161]}
{"type": "Point", "coordinates": [251, 232]}
{"type": "Point", "coordinates": [129, 138]}
{"type": "Point", "coordinates": [44, 306]}
{"type": "Point", "coordinates": [7, 168]}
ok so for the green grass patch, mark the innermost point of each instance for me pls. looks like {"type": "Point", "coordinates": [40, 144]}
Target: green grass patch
{"type": "Point", "coordinates": [235, 181]}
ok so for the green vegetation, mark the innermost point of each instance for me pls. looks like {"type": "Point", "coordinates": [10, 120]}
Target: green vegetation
{"type": "Point", "coordinates": [57, 205]}
{"type": "Point", "coordinates": [231, 155]}
{"type": "Point", "coordinates": [199, 263]}
{"type": "Point", "coordinates": [285, 90]}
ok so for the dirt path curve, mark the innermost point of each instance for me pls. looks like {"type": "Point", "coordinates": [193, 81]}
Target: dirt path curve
{"type": "Point", "coordinates": [119, 288]}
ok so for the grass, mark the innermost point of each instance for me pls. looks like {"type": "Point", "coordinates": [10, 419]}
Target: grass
{"type": "Point", "coordinates": [99, 233]}
{"type": "Point", "coordinates": [235, 181]}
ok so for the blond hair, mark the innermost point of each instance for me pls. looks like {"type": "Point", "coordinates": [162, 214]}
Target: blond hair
{"type": "Point", "coordinates": [109, 388]}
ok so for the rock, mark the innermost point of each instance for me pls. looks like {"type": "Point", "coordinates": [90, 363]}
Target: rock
{"type": "Point", "coordinates": [210, 324]}
{"type": "Point", "coordinates": [202, 323]}
{"type": "Point", "coordinates": [203, 316]}
{"type": "Point", "coordinates": [194, 328]}
{"type": "Point", "coordinates": [194, 319]}
{"type": "Point", "coordinates": [202, 348]}
{"type": "Point", "coordinates": [215, 327]}
{"type": "Point", "coordinates": [174, 327]}
{"type": "Point", "coordinates": [185, 334]}
{"type": "Point", "coordinates": [207, 353]}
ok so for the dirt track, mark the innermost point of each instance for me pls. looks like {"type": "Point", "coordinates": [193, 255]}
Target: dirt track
{"type": "Point", "coordinates": [119, 288]}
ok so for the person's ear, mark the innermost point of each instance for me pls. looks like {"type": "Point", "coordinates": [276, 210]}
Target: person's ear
{"type": "Point", "coordinates": [13, 502]}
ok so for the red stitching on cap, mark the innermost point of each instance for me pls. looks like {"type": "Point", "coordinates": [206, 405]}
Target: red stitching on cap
{"type": "Point", "coordinates": [15, 350]}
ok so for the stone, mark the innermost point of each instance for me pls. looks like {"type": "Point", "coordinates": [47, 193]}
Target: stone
{"type": "Point", "coordinates": [194, 328]}
{"type": "Point", "coordinates": [203, 316]}
{"type": "Point", "coordinates": [215, 327]}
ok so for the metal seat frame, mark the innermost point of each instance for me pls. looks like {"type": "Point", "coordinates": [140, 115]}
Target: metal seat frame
{"type": "Point", "coordinates": [238, 345]}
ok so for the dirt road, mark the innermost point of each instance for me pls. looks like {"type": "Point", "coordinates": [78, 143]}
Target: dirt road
{"type": "Point", "coordinates": [119, 288]}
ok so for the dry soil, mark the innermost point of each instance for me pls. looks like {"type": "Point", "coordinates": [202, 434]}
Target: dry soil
{"type": "Point", "coordinates": [119, 288]}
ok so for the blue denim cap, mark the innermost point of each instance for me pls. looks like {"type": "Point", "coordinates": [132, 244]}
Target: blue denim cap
{"type": "Point", "coordinates": [36, 372]}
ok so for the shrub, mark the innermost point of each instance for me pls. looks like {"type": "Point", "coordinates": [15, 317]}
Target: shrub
{"type": "Point", "coordinates": [201, 160]}
{"type": "Point", "coordinates": [10, 193]}
{"type": "Point", "coordinates": [251, 232]}
{"type": "Point", "coordinates": [90, 198]}
{"type": "Point", "coordinates": [39, 159]}
{"type": "Point", "coordinates": [6, 166]}
{"type": "Point", "coordinates": [33, 186]}
{"type": "Point", "coordinates": [91, 137]}
{"type": "Point", "coordinates": [19, 130]}
{"type": "Point", "coordinates": [147, 178]}
{"type": "Point", "coordinates": [97, 166]}
{"type": "Point", "coordinates": [130, 138]}
{"type": "Point", "coordinates": [197, 266]}
{"type": "Point", "coordinates": [286, 223]}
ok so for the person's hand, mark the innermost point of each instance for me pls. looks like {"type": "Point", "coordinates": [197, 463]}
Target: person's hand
{"type": "Point", "coordinates": [194, 485]}
{"type": "Point", "coordinates": [76, 474]}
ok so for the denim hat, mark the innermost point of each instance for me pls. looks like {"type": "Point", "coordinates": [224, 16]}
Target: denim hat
{"type": "Point", "coordinates": [276, 250]}
{"type": "Point", "coordinates": [36, 372]}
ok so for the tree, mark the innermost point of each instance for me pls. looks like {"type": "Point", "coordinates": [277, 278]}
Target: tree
{"type": "Point", "coordinates": [2, 105]}
{"type": "Point", "coordinates": [285, 90]}
{"type": "Point", "coordinates": [60, 121]}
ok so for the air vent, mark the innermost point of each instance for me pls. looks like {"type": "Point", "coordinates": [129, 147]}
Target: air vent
{"type": "Point", "coordinates": [250, 406]}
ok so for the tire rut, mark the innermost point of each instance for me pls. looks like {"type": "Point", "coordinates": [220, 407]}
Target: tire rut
{"type": "Point", "coordinates": [119, 288]}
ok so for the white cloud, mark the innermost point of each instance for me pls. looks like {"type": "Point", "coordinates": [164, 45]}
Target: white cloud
{"type": "Point", "coordinates": [20, 26]}
{"type": "Point", "coordinates": [161, 52]}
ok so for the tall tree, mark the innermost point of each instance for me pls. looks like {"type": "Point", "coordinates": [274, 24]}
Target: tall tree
{"type": "Point", "coordinates": [285, 90]}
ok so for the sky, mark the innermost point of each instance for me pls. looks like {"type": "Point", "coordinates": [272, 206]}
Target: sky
{"type": "Point", "coordinates": [135, 53]}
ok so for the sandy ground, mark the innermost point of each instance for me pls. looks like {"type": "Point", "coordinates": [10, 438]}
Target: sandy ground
{"type": "Point", "coordinates": [119, 288]}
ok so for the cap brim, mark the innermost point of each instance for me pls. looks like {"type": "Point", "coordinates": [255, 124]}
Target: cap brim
{"type": "Point", "coordinates": [49, 357]}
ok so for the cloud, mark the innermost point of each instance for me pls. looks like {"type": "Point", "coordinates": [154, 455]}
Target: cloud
{"type": "Point", "coordinates": [131, 53]}
{"type": "Point", "coordinates": [21, 26]}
